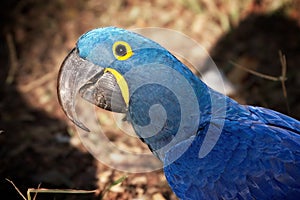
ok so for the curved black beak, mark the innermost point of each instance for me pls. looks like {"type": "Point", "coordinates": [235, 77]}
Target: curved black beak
{"type": "Point", "coordinates": [91, 82]}
{"type": "Point", "coordinates": [73, 74]}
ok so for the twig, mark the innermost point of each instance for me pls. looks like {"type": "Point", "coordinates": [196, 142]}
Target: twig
{"type": "Point", "coordinates": [283, 78]}
{"type": "Point", "coordinates": [20, 193]}
{"type": "Point", "coordinates": [35, 195]}
{"type": "Point", "coordinates": [65, 191]}
{"type": "Point", "coordinates": [108, 187]}
{"type": "Point", "coordinates": [272, 78]}
{"type": "Point", "coordinates": [12, 58]}
{"type": "Point", "coordinates": [44, 190]}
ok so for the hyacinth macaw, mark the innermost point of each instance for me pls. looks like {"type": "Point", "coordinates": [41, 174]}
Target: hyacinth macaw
{"type": "Point", "coordinates": [211, 146]}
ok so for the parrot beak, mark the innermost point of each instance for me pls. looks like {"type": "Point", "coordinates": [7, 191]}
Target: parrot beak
{"type": "Point", "coordinates": [73, 74]}
{"type": "Point", "coordinates": [105, 91]}
{"type": "Point", "coordinates": [99, 86]}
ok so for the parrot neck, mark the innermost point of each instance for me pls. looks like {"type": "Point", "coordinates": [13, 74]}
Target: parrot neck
{"type": "Point", "coordinates": [167, 113]}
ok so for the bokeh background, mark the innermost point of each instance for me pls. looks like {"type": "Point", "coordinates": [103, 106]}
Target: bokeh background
{"type": "Point", "coordinates": [39, 145]}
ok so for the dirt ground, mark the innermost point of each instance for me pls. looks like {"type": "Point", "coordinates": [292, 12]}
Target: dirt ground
{"type": "Point", "coordinates": [37, 142]}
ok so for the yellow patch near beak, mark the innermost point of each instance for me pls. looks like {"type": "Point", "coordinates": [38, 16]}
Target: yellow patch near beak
{"type": "Point", "coordinates": [122, 84]}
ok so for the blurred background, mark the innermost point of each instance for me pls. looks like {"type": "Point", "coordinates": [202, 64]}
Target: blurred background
{"type": "Point", "coordinates": [39, 145]}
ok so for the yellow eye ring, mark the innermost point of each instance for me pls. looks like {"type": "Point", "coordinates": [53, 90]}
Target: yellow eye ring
{"type": "Point", "coordinates": [122, 50]}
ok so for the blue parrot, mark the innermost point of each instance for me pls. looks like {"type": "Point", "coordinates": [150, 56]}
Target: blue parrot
{"type": "Point", "coordinates": [211, 147]}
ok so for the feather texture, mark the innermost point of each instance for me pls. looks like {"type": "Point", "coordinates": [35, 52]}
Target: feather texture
{"type": "Point", "coordinates": [211, 146]}
{"type": "Point", "coordinates": [257, 157]}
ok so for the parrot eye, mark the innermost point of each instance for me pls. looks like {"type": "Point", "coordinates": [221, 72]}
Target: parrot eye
{"type": "Point", "coordinates": [122, 50]}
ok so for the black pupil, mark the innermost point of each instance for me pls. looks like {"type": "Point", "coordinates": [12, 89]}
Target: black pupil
{"type": "Point", "coordinates": [121, 50]}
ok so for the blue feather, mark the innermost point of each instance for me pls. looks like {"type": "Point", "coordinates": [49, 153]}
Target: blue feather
{"type": "Point", "coordinates": [265, 166]}
{"type": "Point", "coordinates": [255, 156]}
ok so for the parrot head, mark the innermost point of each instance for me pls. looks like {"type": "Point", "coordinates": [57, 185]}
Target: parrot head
{"type": "Point", "coordinates": [124, 72]}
